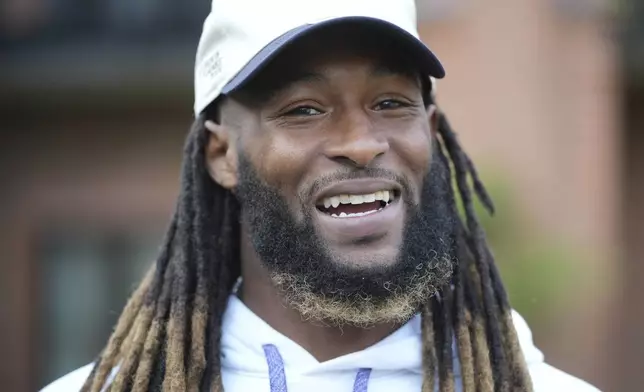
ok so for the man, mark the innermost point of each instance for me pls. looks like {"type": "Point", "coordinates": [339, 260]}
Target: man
{"type": "Point", "coordinates": [316, 244]}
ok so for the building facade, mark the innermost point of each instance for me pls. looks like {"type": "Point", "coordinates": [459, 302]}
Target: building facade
{"type": "Point", "coordinates": [96, 102]}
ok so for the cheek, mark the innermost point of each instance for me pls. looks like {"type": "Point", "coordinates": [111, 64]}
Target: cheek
{"type": "Point", "coordinates": [281, 161]}
{"type": "Point", "coordinates": [415, 148]}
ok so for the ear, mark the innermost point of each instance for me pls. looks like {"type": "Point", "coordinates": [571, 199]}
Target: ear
{"type": "Point", "coordinates": [432, 113]}
{"type": "Point", "coordinates": [221, 156]}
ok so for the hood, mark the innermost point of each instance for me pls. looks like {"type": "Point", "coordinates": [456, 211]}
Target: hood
{"type": "Point", "coordinates": [245, 337]}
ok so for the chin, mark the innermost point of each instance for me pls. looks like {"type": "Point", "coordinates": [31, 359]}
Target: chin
{"type": "Point", "coordinates": [366, 258]}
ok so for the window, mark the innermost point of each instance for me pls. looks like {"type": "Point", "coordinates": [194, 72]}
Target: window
{"type": "Point", "coordinates": [85, 278]}
{"type": "Point", "coordinates": [102, 21]}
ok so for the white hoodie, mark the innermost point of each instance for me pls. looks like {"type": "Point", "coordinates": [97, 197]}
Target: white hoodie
{"type": "Point", "coordinates": [256, 358]}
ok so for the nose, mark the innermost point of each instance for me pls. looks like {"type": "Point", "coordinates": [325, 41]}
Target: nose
{"type": "Point", "coordinates": [355, 140]}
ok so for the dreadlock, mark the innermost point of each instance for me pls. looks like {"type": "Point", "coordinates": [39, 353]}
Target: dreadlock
{"type": "Point", "coordinates": [168, 336]}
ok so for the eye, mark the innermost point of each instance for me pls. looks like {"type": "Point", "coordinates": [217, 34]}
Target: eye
{"type": "Point", "coordinates": [303, 111]}
{"type": "Point", "coordinates": [389, 104]}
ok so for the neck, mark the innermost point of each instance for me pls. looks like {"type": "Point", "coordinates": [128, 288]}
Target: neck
{"type": "Point", "coordinates": [322, 341]}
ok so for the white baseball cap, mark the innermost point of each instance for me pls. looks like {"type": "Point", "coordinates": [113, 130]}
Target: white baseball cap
{"type": "Point", "coordinates": [241, 36]}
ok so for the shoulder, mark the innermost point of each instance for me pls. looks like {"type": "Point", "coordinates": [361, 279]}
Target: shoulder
{"type": "Point", "coordinates": [71, 382]}
{"type": "Point", "coordinates": [548, 378]}
{"type": "Point", "coordinates": [545, 378]}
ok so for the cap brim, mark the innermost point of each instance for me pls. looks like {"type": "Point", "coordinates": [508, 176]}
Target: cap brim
{"type": "Point", "coordinates": [427, 62]}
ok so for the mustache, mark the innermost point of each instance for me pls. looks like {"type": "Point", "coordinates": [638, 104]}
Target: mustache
{"type": "Point", "coordinates": [371, 173]}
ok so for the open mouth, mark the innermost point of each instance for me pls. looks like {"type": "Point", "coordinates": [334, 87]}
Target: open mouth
{"type": "Point", "coordinates": [357, 205]}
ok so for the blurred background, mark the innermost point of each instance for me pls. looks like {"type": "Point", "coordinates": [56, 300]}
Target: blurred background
{"type": "Point", "coordinates": [96, 99]}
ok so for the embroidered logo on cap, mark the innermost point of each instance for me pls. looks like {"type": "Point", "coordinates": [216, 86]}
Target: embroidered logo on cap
{"type": "Point", "coordinates": [211, 66]}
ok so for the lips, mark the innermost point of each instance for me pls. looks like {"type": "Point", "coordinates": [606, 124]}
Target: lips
{"type": "Point", "coordinates": [357, 187]}
{"type": "Point", "coordinates": [359, 208]}
{"type": "Point", "coordinates": [347, 205]}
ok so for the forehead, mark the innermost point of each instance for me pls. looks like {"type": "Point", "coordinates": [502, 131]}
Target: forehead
{"type": "Point", "coordinates": [370, 48]}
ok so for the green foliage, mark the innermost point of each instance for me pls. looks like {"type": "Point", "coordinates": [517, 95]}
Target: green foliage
{"type": "Point", "coordinates": [535, 268]}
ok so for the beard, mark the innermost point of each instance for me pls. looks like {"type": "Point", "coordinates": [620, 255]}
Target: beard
{"type": "Point", "coordinates": [326, 287]}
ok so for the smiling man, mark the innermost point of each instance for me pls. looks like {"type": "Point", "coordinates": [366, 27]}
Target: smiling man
{"type": "Point", "coordinates": [316, 244]}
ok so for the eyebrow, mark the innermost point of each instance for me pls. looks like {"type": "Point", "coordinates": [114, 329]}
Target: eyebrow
{"type": "Point", "coordinates": [389, 69]}
{"type": "Point", "coordinates": [380, 69]}
{"type": "Point", "coordinates": [300, 76]}
{"type": "Point", "coordinates": [274, 86]}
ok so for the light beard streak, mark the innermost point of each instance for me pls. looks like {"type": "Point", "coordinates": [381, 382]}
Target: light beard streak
{"type": "Point", "coordinates": [363, 311]}
{"type": "Point", "coordinates": [325, 288]}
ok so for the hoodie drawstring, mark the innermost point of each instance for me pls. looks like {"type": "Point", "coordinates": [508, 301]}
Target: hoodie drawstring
{"type": "Point", "coordinates": [277, 377]}
{"type": "Point", "coordinates": [362, 380]}
{"type": "Point", "coordinates": [276, 374]}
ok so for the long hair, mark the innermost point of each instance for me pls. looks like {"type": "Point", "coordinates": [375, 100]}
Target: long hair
{"type": "Point", "coordinates": [168, 336]}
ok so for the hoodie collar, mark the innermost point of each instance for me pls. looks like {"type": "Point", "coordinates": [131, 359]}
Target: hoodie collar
{"type": "Point", "coordinates": [245, 334]}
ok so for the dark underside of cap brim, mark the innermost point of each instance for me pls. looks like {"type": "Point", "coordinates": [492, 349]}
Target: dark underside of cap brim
{"type": "Point", "coordinates": [425, 58]}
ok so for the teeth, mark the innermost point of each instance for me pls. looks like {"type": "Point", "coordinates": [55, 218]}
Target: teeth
{"type": "Point", "coordinates": [345, 215]}
{"type": "Point", "coordinates": [384, 195]}
{"type": "Point", "coordinates": [356, 199]}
